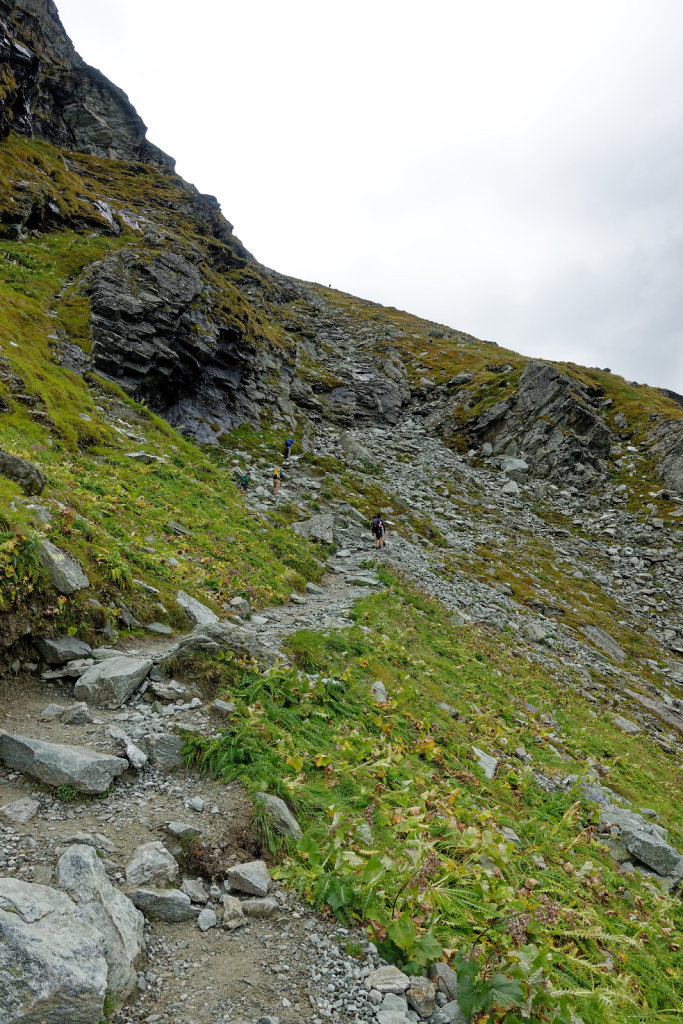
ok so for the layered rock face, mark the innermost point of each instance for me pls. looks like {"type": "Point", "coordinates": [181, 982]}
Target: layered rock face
{"type": "Point", "coordinates": [48, 91]}
{"type": "Point", "coordinates": [553, 422]}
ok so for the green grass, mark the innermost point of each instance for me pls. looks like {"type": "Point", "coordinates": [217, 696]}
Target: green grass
{"type": "Point", "coordinates": [401, 825]}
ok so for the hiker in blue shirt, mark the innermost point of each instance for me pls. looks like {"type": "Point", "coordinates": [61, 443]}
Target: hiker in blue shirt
{"type": "Point", "coordinates": [288, 446]}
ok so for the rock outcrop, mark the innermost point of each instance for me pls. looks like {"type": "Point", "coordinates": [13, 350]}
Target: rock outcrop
{"type": "Point", "coordinates": [48, 91]}
{"type": "Point", "coordinates": [553, 422]}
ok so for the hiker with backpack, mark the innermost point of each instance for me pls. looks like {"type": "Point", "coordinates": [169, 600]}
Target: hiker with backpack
{"type": "Point", "coordinates": [244, 483]}
{"type": "Point", "coordinates": [288, 446]}
{"type": "Point", "coordinates": [378, 530]}
{"type": "Point", "coordinates": [277, 479]}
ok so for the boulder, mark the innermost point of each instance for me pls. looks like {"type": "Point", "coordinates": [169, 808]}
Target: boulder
{"type": "Point", "coordinates": [379, 692]}
{"type": "Point", "coordinates": [195, 610]}
{"type": "Point", "coordinates": [281, 818]}
{"type": "Point", "coordinates": [317, 528]}
{"type": "Point", "coordinates": [164, 904]}
{"type": "Point", "coordinates": [422, 995]}
{"type": "Point", "coordinates": [111, 682]}
{"type": "Point", "coordinates": [195, 889]}
{"type": "Point", "coordinates": [52, 959]}
{"type": "Point", "coordinates": [81, 873]}
{"type": "Point", "coordinates": [61, 651]}
{"type": "Point", "coordinates": [626, 725]}
{"type": "Point", "coordinates": [206, 919]}
{"type": "Point", "coordinates": [516, 469]}
{"type": "Point", "coordinates": [219, 636]}
{"type": "Point", "coordinates": [164, 749]}
{"type": "Point", "coordinates": [241, 606]}
{"type": "Point", "coordinates": [251, 877]}
{"type": "Point", "coordinates": [66, 575]}
{"type": "Point", "coordinates": [261, 907]}
{"type": "Point", "coordinates": [151, 863]}
{"type": "Point", "coordinates": [653, 851]}
{"type": "Point", "coordinates": [58, 764]}
{"type": "Point", "coordinates": [31, 479]}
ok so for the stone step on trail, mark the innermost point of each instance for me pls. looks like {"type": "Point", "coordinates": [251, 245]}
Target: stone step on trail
{"type": "Point", "coordinates": [56, 764]}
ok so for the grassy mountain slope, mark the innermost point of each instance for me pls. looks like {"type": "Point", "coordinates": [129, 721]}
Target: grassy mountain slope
{"type": "Point", "coordinates": [402, 831]}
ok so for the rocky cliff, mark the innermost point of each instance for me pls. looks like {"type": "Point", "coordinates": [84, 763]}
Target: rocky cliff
{"type": "Point", "coordinates": [49, 92]}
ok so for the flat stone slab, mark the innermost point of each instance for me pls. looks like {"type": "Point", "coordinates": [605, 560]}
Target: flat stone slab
{"type": "Point", "coordinates": [111, 682]}
{"type": "Point", "coordinates": [61, 651]}
{"type": "Point", "coordinates": [604, 641]}
{"type": "Point", "coordinates": [66, 575]}
{"type": "Point", "coordinates": [59, 764]}
{"type": "Point", "coordinates": [626, 725]}
{"type": "Point", "coordinates": [20, 811]}
{"type": "Point", "coordinates": [389, 979]}
{"type": "Point", "coordinates": [252, 877]}
{"type": "Point", "coordinates": [195, 610]}
{"type": "Point", "coordinates": [164, 904]}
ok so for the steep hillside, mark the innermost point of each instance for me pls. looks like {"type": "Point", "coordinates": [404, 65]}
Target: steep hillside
{"type": "Point", "coordinates": [477, 727]}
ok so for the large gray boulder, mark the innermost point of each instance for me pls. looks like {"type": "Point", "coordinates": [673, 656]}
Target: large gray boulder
{"type": "Point", "coordinates": [59, 652]}
{"type": "Point", "coordinates": [281, 818]}
{"type": "Point", "coordinates": [318, 528]}
{"type": "Point", "coordinates": [110, 683]}
{"type": "Point", "coordinates": [52, 959]}
{"type": "Point", "coordinates": [66, 575]}
{"type": "Point", "coordinates": [196, 611]}
{"type": "Point", "coordinates": [80, 872]}
{"type": "Point", "coordinates": [29, 477]}
{"type": "Point", "coordinates": [221, 636]}
{"type": "Point", "coordinates": [59, 764]}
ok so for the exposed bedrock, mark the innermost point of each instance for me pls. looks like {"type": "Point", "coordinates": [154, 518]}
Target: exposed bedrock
{"type": "Point", "coordinates": [50, 92]}
{"type": "Point", "coordinates": [157, 330]}
{"type": "Point", "coordinates": [554, 422]}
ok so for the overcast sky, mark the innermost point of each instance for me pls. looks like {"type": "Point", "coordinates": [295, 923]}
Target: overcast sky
{"type": "Point", "coordinates": [512, 169]}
